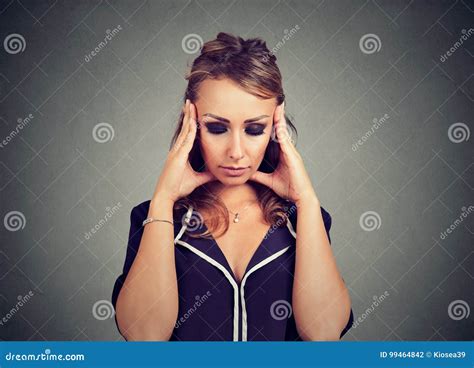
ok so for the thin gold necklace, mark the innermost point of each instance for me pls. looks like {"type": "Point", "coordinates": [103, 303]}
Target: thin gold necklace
{"type": "Point", "coordinates": [236, 214]}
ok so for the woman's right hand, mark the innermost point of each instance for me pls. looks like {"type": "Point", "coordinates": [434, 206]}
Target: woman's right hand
{"type": "Point", "coordinates": [178, 178]}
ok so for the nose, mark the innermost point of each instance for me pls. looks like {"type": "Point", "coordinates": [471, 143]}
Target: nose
{"type": "Point", "coordinates": [236, 149]}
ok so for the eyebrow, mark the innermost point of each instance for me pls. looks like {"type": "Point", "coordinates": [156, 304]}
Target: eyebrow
{"type": "Point", "coordinates": [224, 120]}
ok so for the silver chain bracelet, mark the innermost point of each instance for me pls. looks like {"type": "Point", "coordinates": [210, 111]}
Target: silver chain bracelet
{"type": "Point", "coordinates": [151, 219]}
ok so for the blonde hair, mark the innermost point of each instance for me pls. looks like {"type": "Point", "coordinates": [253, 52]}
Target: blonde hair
{"type": "Point", "coordinates": [251, 65]}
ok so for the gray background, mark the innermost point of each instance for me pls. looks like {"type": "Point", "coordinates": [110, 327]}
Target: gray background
{"type": "Point", "coordinates": [409, 172]}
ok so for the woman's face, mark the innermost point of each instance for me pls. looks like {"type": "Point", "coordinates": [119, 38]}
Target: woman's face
{"type": "Point", "coordinates": [235, 129]}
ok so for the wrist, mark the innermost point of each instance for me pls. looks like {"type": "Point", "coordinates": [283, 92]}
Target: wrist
{"type": "Point", "coordinates": [309, 200]}
{"type": "Point", "coordinates": [161, 201]}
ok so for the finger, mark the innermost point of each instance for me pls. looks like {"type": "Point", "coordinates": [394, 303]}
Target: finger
{"type": "Point", "coordinates": [283, 132]}
{"type": "Point", "coordinates": [184, 126]}
{"type": "Point", "coordinates": [186, 118]}
{"type": "Point", "coordinates": [191, 133]}
{"type": "Point", "coordinates": [263, 178]}
{"type": "Point", "coordinates": [181, 135]}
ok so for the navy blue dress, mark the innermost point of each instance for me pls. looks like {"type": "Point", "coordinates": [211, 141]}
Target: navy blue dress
{"type": "Point", "coordinates": [213, 306]}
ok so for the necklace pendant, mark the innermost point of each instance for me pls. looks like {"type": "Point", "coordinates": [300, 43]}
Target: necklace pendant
{"type": "Point", "coordinates": [236, 218]}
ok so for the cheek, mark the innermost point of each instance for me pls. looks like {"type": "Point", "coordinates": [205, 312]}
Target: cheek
{"type": "Point", "coordinates": [210, 149]}
{"type": "Point", "coordinates": [257, 150]}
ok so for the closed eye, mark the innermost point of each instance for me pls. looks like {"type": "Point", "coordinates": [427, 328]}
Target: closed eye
{"type": "Point", "coordinates": [218, 128]}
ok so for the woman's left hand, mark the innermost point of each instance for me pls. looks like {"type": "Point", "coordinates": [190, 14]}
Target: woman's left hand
{"type": "Point", "coordinates": [290, 179]}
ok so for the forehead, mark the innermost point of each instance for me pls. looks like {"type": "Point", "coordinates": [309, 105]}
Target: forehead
{"type": "Point", "coordinates": [227, 99]}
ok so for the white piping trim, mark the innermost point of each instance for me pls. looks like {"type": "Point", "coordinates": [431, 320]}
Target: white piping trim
{"type": "Point", "coordinates": [183, 228]}
{"type": "Point", "coordinates": [242, 298]}
{"type": "Point", "coordinates": [290, 227]}
{"type": "Point", "coordinates": [219, 266]}
{"type": "Point", "coordinates": [228, 276]}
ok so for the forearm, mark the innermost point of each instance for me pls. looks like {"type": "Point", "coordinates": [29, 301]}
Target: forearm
{"type": "Point", "coordinates": [321, 302]}
{"type": "Point", "coordinates": [147, 306]}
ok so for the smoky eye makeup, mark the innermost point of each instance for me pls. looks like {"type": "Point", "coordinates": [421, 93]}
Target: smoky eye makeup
{"type": "Point", "coordinates": [253, 129]}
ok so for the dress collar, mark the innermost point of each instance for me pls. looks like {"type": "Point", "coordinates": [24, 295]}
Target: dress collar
{"type": "Point", "coordinates": [276, 239]}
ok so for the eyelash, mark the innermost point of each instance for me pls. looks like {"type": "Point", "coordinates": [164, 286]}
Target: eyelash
{"type": "Point", "coordinates": [221, 130]}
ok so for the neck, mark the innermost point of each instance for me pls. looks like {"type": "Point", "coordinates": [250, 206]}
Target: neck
{"type": "Point", "coordinates": [235, 196]}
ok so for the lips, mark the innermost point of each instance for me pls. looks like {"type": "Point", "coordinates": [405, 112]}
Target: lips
{"type": "Point", "coordinates": [230, 171]}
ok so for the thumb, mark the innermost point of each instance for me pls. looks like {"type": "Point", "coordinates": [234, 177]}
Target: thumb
{"type": "Point", "coordinates": [205, 177]}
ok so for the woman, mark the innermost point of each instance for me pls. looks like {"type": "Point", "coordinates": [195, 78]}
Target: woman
{"type": "Point", "coordinates": [233, 167]}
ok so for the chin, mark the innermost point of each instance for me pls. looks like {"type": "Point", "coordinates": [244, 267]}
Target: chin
{"type": "Point", "coordinates": [229, 180]}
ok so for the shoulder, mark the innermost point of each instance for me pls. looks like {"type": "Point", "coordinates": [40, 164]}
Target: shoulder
{"type": "Point", "coordinates": [140, 210]}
